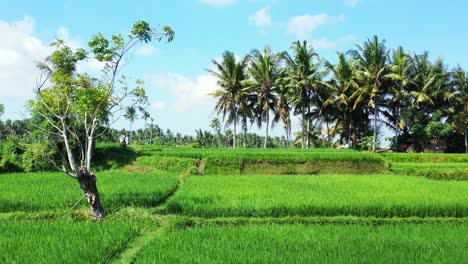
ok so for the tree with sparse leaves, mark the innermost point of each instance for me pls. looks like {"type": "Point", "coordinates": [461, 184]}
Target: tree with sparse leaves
{"type": "Point", "coordinates": [75, 109]}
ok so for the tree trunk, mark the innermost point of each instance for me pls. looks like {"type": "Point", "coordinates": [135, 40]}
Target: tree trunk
{"type": "Point", "coordinates": [375, 127]}
{"type": "Point", "coordinates": [151, 133]}
{"type": "Point", "coordinates": [350, 131]}
{"type": "Point", "coordinates": [267, 125]}
{"type": "Point", "coordinates": [466, 140]}
{"type": "Point", "coordinates": [328, 135]}
{"type": "Point", "coordinates": [287, 136]}
{"type": "Point", "coordinates": [308, 127]}
{"type": "Point", "coordinates": [89, 152]}
{"type": "Point", "coordinates": [87, 181]}
{"type": "Point", "coordinates": [234, 137]}
{"type": "Point", "coordinates": [303, 128]}
{"type": "Point", "coordinates": [245, 137]}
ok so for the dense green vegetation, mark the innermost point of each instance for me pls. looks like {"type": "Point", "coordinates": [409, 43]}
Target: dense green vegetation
{"type": "Point", "coordinates": [437, 171]}
{"type": "Point", "coordinates": [326, 195]}
{"type": "Point", "coordinates": [252, 161]}
{"type": "Point", "coordinates": [425, 157]}
{"type": "Point", "coordinates": [422, 101]}
{"type": "Point", "coordinates": [53, 191]}
{"type": "Point", "coordinates": [311, 244]}
{"type": "Point", "coordinates": [62, 241]}
{"type": "Point", "coordinates": [161, 210]}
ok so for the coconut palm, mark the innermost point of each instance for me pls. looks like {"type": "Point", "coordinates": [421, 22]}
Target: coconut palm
{"type": "Point", "coordinates": [266, 72]}
{"type": "Point", "coordinates": [302, 77]}
{"type": "Point", "coordinates": [401, 76]}
{"type": "Point", "coordinates": [283, 110]}
{"type": "Point", "coordinates": [372, 63]}
{"type": "Point", "coordinates": [342, 85]}
{"type": "Point", "coordinates": [230, 75]}
{"type": "Point", "coordinates": [460, 84]}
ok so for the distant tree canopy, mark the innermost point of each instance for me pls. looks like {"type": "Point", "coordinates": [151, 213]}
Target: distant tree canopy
{"type": "Point", "coordinates": [366, 88]}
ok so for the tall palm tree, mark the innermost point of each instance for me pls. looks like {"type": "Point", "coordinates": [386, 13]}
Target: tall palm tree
{"type": "Point", "coordinates": [145, 115]}
{"type": "Point", "coordinates": [372, 59]}
{"type": "Point", "coordinates": [283, 110]}
{"type": "Point", "coordinates": [401, 69]}
{"type": "Point", "coordinates": [460, 83]}
{"type": "Point", "coordinates": [230, 74]}
{"type": "Point", "coordinates": [131, 115]}
{"type": "Point", "coordinates": [302, 78]}
{"type": "Point", "coordinates": [342, 85]}
{"type": "Point", "coordinates": [266, 72]}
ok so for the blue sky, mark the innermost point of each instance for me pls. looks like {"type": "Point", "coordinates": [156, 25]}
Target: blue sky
{"type": "Point", "coordinates": [175, 75]}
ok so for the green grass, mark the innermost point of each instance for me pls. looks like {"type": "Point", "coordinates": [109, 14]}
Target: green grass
{"type": "Point", "coordinates": [265, 161]}
{"type": "Point", "coordinates": [439, 171]}
{"type": "Point", "coordinates": [56, 191]}
{"type": "Point", "coordinates": [422, 243]}
{"type": "Point", "coordinates": [62, 241]}
{"type": "Point", "coordinates": [425, 157]}
{"type": "Point", "coordinates": [321, 195]}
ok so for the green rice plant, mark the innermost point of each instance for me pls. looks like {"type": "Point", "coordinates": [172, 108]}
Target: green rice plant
{"type": "Point", "coordinates": [46, 191]}
{"type": "Point", "coordinates": [172, 164]}
{"type": "Point", "coordinates": [320, 195]}
{"type": "Point", "coordinates": [269, 161]}
{"type": "Point", "coordinates": [436, 171]}
{"type": "Point", "coordinates": [410, 243]}
{"type": "Point", "coordinates": [63, 241]}
{"type": "Point", "coordinates": [425, 157]}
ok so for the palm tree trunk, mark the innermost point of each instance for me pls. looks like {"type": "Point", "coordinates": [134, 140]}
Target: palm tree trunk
{"type": "Point", "coordinates": [375, 127]}
{"type": "Point", "coordinates": [397, 128]}
{"type": "Point", "coordinates": [287, 136]}
{"type": "Point", "coordinates": [234, 137]}
{"type": "Point", "coordinates": [266, 130]}
{"type": "Point", "coordinates": [303, 128]}
{"type": "Point", "coordinates": [245, 131]}
{"type": "Point", "coordinates": [308, 126]}
{"type": "Point", "coordinates": [151, 133]}
{"type": "Point", "coordinates": [466, 140]}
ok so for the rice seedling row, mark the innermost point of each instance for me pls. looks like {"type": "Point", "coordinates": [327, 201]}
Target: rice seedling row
{"type": "Point", "coordinates": [320, 195]}
{"type": "Point", "coordinates": [63, 241]}
{"type": "Point", "coordinates": [56, 191]}
{"type": "Point", "coordinates": [410, 243]}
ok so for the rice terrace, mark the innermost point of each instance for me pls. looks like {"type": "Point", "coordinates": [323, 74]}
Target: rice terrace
{"type": "Point", "coordinates": [236, 133]}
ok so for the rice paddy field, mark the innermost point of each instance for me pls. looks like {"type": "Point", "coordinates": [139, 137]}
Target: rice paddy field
{"type": "Point", "coordinates": [244, 206]}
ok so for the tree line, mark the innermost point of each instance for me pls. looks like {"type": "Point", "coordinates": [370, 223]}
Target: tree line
{"type": "Point", "coordinates": [421, 101]}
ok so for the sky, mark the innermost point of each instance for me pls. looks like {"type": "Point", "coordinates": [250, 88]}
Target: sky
{"type": "Point", "coordinates": [175, 75]}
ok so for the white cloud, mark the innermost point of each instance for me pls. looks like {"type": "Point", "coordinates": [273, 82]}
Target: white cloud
{"type": "Point", "coordinates": [304, 26]}
{"type": "Point", "coordinates": [158, 105]}
{"type": "Point", "coordinates": [218, 3]}
{"type": "Point", "coordinates": [352, 2]}
{"type": "Point", "coordinates": [19, 49]}
{"type": "Point", "coordinates": [188, 93]}
{"type": "Point", "coordinates": [261, 18]}
{"type": "Point", "coordinates": [325, 43]}
{"type": "Point", "coordinates": [147, 50]}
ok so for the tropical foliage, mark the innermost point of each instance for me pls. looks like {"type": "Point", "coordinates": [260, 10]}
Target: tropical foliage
{"type": "Point", "coordinates": [348, 102]}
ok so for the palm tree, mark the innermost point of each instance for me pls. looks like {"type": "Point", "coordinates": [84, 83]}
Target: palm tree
{"type": "Point", "coordinates": [145, 115]}
{"type": "Point", "coordinates": [460, 84]}
{"type": "Point", "coordinates": [342, 85]}
{"type": "Point", "coordinates": [283, 110]}
{"type": "Point", "coordinates": [302, 78]}
{"type": "Point", "coordinates": [230, 74]}
{"type": "Point", "coordinates": [372, 66]}
{"type": "Point", "coordinates": [130, 115]}
{"type": "Point", "coordinates": [266, 72]}
{"type": "Point", "coordinates": [401, 69]}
